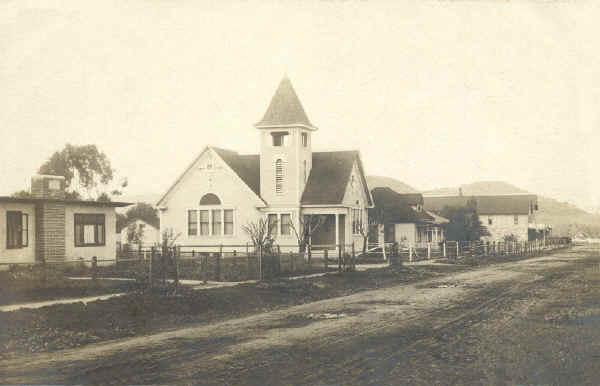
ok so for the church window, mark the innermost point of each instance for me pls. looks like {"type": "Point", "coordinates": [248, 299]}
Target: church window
{"type": "Point", "coordinates": [279, 176]}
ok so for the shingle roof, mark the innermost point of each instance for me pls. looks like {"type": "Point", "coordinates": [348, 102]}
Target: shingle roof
{"type": "Point", "coordinates": [246, 166]}
{"type": "Point", "coordinates": [285, 108]}
{"type": "Point", "coordinates": [396, 208]}
{"type": "Point", "coordinates": [499, 204]}
{"type": "Point", "coordinates": [326, 184]}
{"type": "Point", "coordinates": [328, 179]}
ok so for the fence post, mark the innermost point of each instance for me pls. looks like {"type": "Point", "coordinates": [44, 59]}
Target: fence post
{"type": "Point", "coordinates": [94, 268]}
{"type": "Point", "coordinates": [278, 259]}
{"type": "Point", "coordinates": [260, 252]}
{"type": "Point", "coordinates": [428, 251]}
{"type": "Point", "coordinates": [457, 248]}
{"type": "Point", "coordinates": [176, 253]}
{"type": "Point", "coordinates": [410, 253]}
{"type": "Point", "coordinates": [326, 252]}
{"type": "Point", "coordinates": [151, 262]}
{"type": "Point", "coordinates": [218, 268]}
{"type": "Point", "coordinates": [339, 259]}
{"type": "Point", "coordinates": [444, 247]}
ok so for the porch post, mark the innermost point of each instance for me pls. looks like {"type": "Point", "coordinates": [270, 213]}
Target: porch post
{"type": "Point", "coordinates": [337, 230]}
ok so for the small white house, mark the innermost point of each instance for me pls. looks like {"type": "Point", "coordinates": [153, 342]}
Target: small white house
{"type": "Point", "coordinates": [150, 233]}
{"type": "Point", "coordinates": [49, 227]}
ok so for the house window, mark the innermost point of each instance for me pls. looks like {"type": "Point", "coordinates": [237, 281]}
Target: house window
{"type": "Point", "coordinates": [286, 224]}
{"type": "Point", "coordinates": [356, 221]}
{"type": "Point", "coordinates": [216, 222]}
{"type": "Point", "coordinates": [279, 176]}
{"type": "Point", "coordinates": [89, 230]}
{"type": "Point", "coordinates": [204, 223]}
{"type": "Point", "coordinates": [304, 139]}
{"type": "Point", "coordinates": [279, 138]}
{"type": "Point", "coordinates": [17, 229]}
{"type": "Point", "coordinates": [192, 222]}
{"type": "Point", "coordinates": [489, 221]}
{"type": "Point", "coordinates": [228, 221]}
{"type": "Point", "coordinates": [272, 223]}
{"type": "Point", "coordinates": [516, 219]}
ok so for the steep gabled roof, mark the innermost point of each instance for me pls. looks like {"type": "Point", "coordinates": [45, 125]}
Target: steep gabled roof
{"type": "Point", "coordinates": [498, 204]}
{"type": "Point", "coordinates": [285, 109]}
{"type": "Point", "coordinates": [328, 179]}
{"type": "Point", "coordinates": [246, 166]}
{"type": "Point", "coordinates": [396, 208]}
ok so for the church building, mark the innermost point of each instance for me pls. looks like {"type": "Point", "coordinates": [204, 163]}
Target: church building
{"type": "Point", "coordinates": [222, 191]}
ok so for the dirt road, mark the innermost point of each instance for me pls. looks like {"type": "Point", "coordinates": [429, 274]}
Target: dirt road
{"type": "Point", "coordinates": [529, 322]}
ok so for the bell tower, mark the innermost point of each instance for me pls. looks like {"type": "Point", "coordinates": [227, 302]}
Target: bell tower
{"type": "Point", "coordinates": [285, 148]}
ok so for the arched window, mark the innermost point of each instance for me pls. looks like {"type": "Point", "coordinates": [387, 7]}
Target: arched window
{"type": "Point", "coordinates": [279, 176]}
{"type": "Point", "coordinates": [210, 199]}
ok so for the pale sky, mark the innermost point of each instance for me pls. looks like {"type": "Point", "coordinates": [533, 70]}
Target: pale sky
{"type": "Point", "coordinates": [434, 93]}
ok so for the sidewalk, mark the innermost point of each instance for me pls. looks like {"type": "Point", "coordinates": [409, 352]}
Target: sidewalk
{"type": "Point", "coordinates": [34, 305]}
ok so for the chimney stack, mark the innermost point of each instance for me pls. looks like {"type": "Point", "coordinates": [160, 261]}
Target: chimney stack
{"type": "Point", "coordinates": [47, 186]}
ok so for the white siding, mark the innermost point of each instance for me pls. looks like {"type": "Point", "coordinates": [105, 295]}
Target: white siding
{"type": "Point", "coordinates": [104, 252]}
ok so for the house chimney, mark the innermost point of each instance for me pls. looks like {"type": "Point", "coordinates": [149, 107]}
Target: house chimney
{"type": "Point", "coordinates": [47, 186]}
{"type": "Point", "coordinates": [460, 192]}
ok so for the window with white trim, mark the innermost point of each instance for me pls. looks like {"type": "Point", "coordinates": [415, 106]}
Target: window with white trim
{"type": "Point", "coordinates": [286, 224]}
{"type": "Point", "coordinates": [304, 139]}
{"type": "Point", "coordinates": [211, 219]}
{"type": "Point", "coordinates": [279, 224]}
{"type": "Point", "coordinates": [204, 223]}
{"type": "Point", "coordinates": [17, 229]}
{"type": "Point", "coordinates": [272, 223]}
{"type": "Point", "coordinates": [89, 229]}
{"type": "Point", "coordinates": [279, 175]}
{"type": "Point", "coordinates": [357, 221]}
{"type": "Point", "coordinates": [192, 222]}
{"type": "Point", "coordinates": [279, 138]}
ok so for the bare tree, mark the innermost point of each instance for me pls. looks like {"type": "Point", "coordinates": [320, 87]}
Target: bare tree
{"type": "Point", "coordinates": [308, 225]}
{"type": "Point", "coordinates": [259, 234]}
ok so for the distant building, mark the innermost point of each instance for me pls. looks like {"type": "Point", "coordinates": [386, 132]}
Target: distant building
{"type": "Point", "coordinates": [502, 215]}
{"type": "Point", "coordinates": [48, 227]}
{"type": "Point", "coordinates": [404, 219]}
{"type": "Point", "coordinates": [150, 233]}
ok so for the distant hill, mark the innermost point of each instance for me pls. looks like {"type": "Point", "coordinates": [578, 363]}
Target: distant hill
{"type": "Point", "coordinates": [480, 188]}
{"type": "Point", "coordinates": [566, 219]}
{"type": "Point", "coordinates": [394, 184]}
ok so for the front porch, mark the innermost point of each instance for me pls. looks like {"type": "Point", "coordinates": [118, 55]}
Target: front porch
{"type": "Point", "coordinates": [333, 229]}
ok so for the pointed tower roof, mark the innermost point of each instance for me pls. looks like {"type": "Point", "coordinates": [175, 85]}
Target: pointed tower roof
{"type": "Point", "coordinates": [285, 109]}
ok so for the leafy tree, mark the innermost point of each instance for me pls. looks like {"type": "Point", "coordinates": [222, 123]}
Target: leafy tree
{"type": "Point", "coordinates": [145, 212]}
{"type": "Point", "coordinates": [463, 222]}
{"type": "Point", "coordinates": [22, 194]}
{"type": "Point", "coordinates": [85, 168]}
